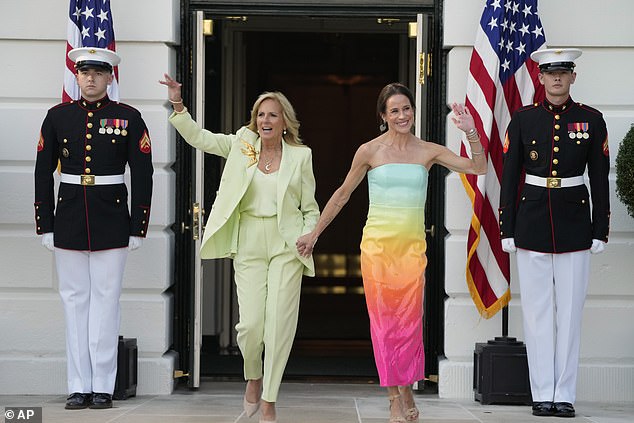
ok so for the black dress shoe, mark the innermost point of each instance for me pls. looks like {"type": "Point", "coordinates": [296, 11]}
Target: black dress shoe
{"type": "Point", "coordinates": [564, 409]}
{"type": "Point", "coordinates": [543, 408]}
{"type": "Point", "coordinates": [101, 400]}
{"type": "Point", "coordinates": [77, 401]}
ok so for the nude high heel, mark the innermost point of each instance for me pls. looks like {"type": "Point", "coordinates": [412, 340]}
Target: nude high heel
{"type": "Point", "coordinates": [250, 408]}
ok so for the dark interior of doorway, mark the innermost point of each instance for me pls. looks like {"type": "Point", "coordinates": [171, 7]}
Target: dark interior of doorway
{"type": "Point", "coordinates": [332, 80]}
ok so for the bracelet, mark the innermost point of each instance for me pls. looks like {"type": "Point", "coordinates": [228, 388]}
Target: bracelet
{"type": "Point", "coordinates": [471, 132]}
{"type": "Point", "coordinates": [473, 136]}
{"type": "Point", "coordinates": [477, 153]}
{"type": "Point", "coordinates": [176, 102]}
{"type": "Point", "coordinates": [181, 112]}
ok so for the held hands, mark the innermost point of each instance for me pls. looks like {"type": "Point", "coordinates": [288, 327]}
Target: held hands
{"type": "Point", "coordinates": [48, 241]}
{"type": "Point", "coordinates": [508, 245]}
{"type": "Point", "coordinates": [134, 242]}
{"type": "Point", "coordinates": [463, 118]}
{"type": "Point", "coordinates": [305, 244]}
{"type": "Point", "coordinates": [173, 89]}
{"type": "Point", "coordinates": [597, 246]}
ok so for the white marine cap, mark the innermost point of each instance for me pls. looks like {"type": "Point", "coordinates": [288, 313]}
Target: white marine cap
{"type": "Point", "coordinates": [551, 59]}
{"type": "Point", "coordinates": [94, 57]}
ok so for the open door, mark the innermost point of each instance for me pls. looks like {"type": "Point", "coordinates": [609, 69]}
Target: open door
{"type": "Point", "coordinates": [198, 194]}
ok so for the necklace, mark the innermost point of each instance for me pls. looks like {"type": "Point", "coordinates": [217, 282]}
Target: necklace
{"type": "Point", "coordinates": [268, 164]}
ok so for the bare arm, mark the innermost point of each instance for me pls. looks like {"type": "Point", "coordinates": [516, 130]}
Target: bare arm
{"type": "Point", "coordinates": [358, 170]}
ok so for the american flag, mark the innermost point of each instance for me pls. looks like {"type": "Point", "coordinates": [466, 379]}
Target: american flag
{"type": "Point", "coordinates": [502, 78]}
{"type": "Point", "coordinates": [89, 25]}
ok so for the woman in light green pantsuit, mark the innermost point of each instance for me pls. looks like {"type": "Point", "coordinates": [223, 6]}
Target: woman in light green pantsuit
{"type": "Point", "coordinates": [265, 202]}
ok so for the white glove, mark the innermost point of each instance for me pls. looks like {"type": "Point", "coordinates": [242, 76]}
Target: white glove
{"type": "Point", "coordinates": [597, 246]}
{"type": "Point", "coordinates": [508, 245]}
{"type": "Point", "coordinates": [48, 240]}
{"type": "Point", "coordinates": [134, 242]}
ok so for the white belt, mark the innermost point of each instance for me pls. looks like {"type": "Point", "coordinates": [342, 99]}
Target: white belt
{"type": "Point", "coordinates": [554, 182]}
{"type": "Point", "coordinates": [91, 179]}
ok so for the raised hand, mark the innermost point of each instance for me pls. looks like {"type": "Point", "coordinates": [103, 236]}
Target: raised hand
{"type": "Point", "coordinates": [173, 89]}
{"type": "Point", "coordinates": [462, 117]}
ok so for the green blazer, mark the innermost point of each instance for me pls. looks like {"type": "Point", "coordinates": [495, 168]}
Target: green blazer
{"type": "Point", "coordinates": [297, 210]}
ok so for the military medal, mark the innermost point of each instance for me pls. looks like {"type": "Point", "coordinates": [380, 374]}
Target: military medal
{"type": "Point", "coordinates": [124, 124]}
{"type": "Point", "coordinates": [586, 135]}
{"type": "Point", "coordinates": [571, 135]}
{"type": "Point", "coordinates": [109, 130]}
{"type": "Point", "coordinates": [117, 131]}
{"type": "Point", "coordinates": [533, 155]}
{"type": "Point", "coordinates": [102, 123]}
{"type": "Point", "coordinates": [579, 135]}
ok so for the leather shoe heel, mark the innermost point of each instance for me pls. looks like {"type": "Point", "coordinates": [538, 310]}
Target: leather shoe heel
{"type": "Point", "coordinates": [563, 409]}
{"type": "Point", "coordinates": [543, 408]}
{"type": "Point", "coordinates": [100, 400]}
{"type": "Point", "coordinates": [77, 401]}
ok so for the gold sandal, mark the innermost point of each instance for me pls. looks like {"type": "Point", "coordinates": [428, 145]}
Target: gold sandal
{"type": "Point", "coordinates": [411, 414]}
{"type": "Point", "coordinates": [395, 419]}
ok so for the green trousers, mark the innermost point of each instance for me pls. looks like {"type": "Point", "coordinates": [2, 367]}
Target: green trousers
{"type": "Point", "coordinates": [268, 277]}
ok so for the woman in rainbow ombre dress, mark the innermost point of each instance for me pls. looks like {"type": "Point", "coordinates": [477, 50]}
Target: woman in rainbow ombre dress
{"type": "Point", "coordinates": [393, 245]}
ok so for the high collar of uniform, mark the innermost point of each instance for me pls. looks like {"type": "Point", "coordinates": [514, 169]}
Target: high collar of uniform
{"type": "Point", "coordinates": [558, 108]}
{"type": "Point", "coordinates": [93, 105]}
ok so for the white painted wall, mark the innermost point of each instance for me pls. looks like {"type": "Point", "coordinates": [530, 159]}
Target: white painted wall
{"type": "Point", "coordinates": [32, 46]}
{"type": "Point", "coordinates": [604, 81]}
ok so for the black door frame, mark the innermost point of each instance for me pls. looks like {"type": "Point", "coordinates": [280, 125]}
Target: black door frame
{"type": "Point", "coordinates": [435, 295]}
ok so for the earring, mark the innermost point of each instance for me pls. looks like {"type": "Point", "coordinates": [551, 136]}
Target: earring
{"type": "Point", "coordinates": [383, 126]}
{"type": "Point", "coordinates": [284, 132]}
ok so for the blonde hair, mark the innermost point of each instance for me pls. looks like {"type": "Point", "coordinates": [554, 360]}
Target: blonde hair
{"type": "Point", "coordinates": [292, 124]}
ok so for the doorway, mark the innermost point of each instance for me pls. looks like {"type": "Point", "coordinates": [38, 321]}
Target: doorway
{"type": "Point", "coordinates": [332, 71]}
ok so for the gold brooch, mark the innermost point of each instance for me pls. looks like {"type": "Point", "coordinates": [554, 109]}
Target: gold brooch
{"type": "Point", "coordinates": [250, 152]}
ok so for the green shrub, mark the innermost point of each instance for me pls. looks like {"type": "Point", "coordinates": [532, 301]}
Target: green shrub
{"type": "Point", "coordinates": [625, 171]}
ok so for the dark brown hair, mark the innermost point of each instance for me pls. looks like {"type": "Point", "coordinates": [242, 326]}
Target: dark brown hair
{"type": "Point", "coordinates": [388, 91]}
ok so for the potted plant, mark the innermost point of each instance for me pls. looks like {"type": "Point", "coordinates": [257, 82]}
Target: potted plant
{"type": "Point", "coordinates": [625, 171]}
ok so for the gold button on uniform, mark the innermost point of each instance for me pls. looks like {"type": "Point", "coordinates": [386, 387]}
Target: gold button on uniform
{"type": "Point", "coordinates": [87, 170]}
{"type": "Point", "coordinates": [556, 149]}
{"type": "Point", "coordinates": [90, 114]}
{"type": "Point", "coordinates": [556, 137]}
{"type": "Point", "coordinates": [65, 141]}
{"type": "Point", "coordinates": [114, 141]}
{"type": "Point", "coordinates": [557, 126]}
{"type": "Point", "coordinates": [88, 158]}
{"type": "Point", "coordinates": [533, 142]}
{"type": "Point", "coordinates": [89, 124]}
{"type": "Point", "coordinates": [89, 136]}
{"type": "Point", "coordinates": [557, 117]}
{"type": "Point", "coordinates": [555, 161]}
{"type": "Point", "coordinates": [554, 173]}
{"type": "Point", "coordinates": [88, 147]}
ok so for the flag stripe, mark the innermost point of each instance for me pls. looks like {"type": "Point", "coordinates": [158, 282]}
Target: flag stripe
{"type": "Point", "coordinates": [502, 78]}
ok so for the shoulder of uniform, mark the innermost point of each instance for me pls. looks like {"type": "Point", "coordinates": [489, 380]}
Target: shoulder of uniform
{"type": "Point", "coordinates": [62, 105]}
{"type": "Point", "coordinates": [528, 107]}
{"type": "Point", "coordinates": [589, 108]}
{"type": "Point", "coordinates": [127, 107]}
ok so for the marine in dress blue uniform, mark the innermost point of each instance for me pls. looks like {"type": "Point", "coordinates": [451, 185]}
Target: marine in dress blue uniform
{"type": "Point", "coordinates": [551, 225]}
{"type": "Point", "coordinates": [89, 225]}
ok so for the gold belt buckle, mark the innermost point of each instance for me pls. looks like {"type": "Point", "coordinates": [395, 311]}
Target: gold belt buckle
{"type": "Point", "coordinates": [553, 182]}
{"type": "Point", "coordinates": [88, 179]}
